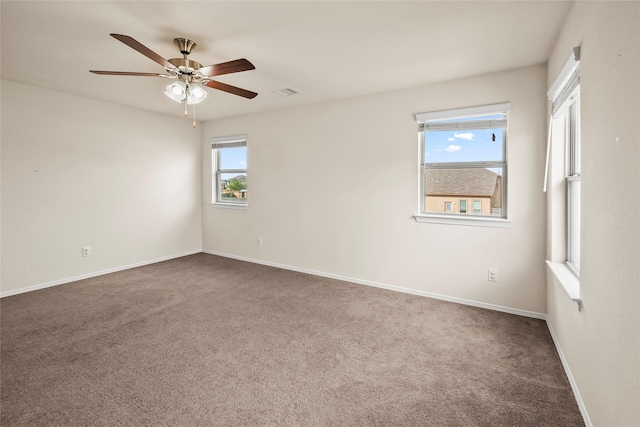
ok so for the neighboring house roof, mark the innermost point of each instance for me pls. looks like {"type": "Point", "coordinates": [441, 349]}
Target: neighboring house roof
{"type": "Point", "coordinates": [240, 178]}
{"type": "Point", "coordinates": [463, 182]}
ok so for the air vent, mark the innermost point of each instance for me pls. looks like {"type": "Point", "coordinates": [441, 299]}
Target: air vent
{"type": "Point", "coordinates": [286, 91]}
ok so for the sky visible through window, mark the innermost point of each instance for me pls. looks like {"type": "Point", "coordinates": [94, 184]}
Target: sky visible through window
{"type": "Point", "coordinates": [463, 146]}
{"type": "Point", "coordinates": [233, 158]}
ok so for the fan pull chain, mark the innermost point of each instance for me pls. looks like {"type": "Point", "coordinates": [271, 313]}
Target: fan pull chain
{"type": "Point", "coordinates": [186, 113]}
{"type": "Point", "coordinates": [194, 116]}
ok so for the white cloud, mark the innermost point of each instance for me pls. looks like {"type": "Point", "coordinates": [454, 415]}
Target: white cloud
{"type": "Point", "coordinates": [242, 162]}
{"type": "Point", "coordinates": [467, 135]}
{"type": "Point", "coordinates": [451, 139]}
{"type": "Point", "coordinates": [453, 148]}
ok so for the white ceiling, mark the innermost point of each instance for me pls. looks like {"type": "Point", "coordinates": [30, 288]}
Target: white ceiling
{"type": "Point", "coordinates": [324, 50]}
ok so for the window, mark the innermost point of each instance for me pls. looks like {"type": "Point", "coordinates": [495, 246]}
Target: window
{"type": "Point", "coordinates": [477, 206]}
{"type": "Point", "coordinates": [563, 173]}
{"type": "Point", "coordinates": [463, 206]}
{"type": "Point", "coordinates": [564, 133]}
{"type": "Point", "coordinates": [448, 206]}
{"type": "Point", "coordinates": [229, 167]}
{"type": "Point", "coordinates": [464, 156]}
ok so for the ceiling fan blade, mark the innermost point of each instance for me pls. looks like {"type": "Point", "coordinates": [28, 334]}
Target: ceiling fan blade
{"type": "Point", "coordinates": [231, 89]}
{"type": "Point", "coordinates": [134, 44]}
{"type": "Point", "coordinates": [227, 67]}
{"type": "Point", "coordinates": [127, 73]}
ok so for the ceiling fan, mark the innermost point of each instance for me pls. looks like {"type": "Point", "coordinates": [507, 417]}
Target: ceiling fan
{"type": "Point", "coordinates": [190, 76]}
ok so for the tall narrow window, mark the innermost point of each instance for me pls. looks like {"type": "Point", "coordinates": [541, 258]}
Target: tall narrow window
{"type": "Point", "coordinates": [464, 156]}
{"type": "Point", "coordinates": [229, 167]}
{"type": "Point", "coordinates": [563, 174]}
{"type": "Point", "coordinates": [564, 138]}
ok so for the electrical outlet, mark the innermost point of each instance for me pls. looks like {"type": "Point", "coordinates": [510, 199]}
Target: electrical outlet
{"type": "Point", "coordinates": [259, 241]}
{"type": "Point", "coordinates": [493, 275]}
{"type": "Point", "coordinates": [86, 251]}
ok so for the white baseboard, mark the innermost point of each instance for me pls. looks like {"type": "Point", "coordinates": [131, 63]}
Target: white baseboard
{"type": "Point", "coordinates": [90, 275]}
{"type": "Point", "coordinates": [463, 301]}
{"type": "Point", "coordinates": [572, 381]}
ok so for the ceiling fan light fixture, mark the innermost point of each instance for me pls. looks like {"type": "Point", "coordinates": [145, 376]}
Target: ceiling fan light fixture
{"type": "Point", "coordinates": [196, 93]}
{"type": "Point", "coordinates": [177, 91]}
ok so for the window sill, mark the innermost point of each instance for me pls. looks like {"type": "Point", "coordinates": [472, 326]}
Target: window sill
{"type": "Point", "coordinates": [568, 280]}
{"type": "Point", "coordinates": [236, 206]}
{"type": "Point", "coordinates": [474, 221]}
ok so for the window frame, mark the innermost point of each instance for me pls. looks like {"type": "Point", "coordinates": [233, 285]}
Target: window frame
{"type": "Point", "coordinates": [222, 143]}
{"type": "Point", "coordinates": [573, 177]}
{"type": "Point", "coordinates": [460, 206]}
{"type": "Point", "coordinates": [433, 121]}
{"type": "Point", "coordinates": [560, 169]}
{"type": "Point", "coordinates": [448, 207]}
{"type": "Point", "coordinates": [479, 202]}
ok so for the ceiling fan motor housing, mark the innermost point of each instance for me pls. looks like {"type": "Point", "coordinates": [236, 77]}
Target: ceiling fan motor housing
{"type": "Point", "coordinates": [186, 66]}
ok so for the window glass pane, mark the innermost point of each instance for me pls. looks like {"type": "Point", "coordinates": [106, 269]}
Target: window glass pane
{"type": "Point", "coordinates": [483, 186]}
{"type": "Point", "coordinates": [477, 145]}
{"type": "Point", "coordinates": [573, 187]}
{"type": "Point", "coordinates": [233, 158]}
{"type": "Point", "coordinates": [574, 224]}
{"type": "Point", "coordinates": [574, 138]}
{"type": "Point", "coordinates": [232, 187]}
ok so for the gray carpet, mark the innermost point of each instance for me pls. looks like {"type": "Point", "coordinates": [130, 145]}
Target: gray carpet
{"type": "Point", "coordinates": [204, 340]}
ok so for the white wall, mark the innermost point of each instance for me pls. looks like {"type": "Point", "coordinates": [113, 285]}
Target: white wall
{"type": "Point", "coordinates": [333, 187]}
{"type": "Point", "coordinates": [78, 172]}
{"type": "Point", "coordinates": [602, 343]}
